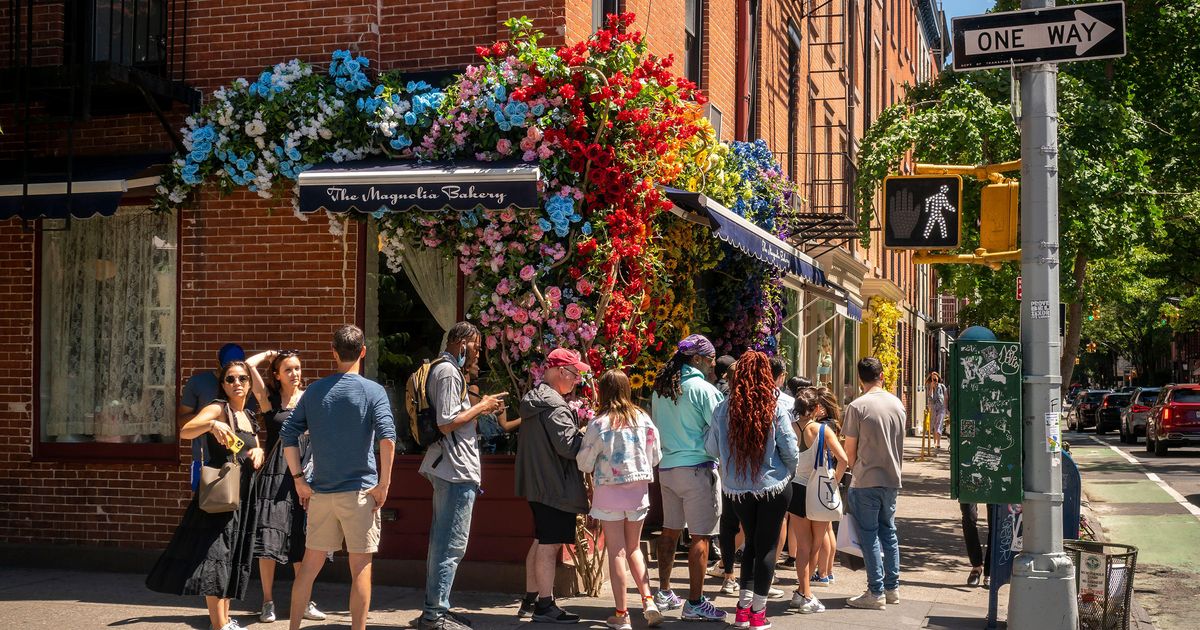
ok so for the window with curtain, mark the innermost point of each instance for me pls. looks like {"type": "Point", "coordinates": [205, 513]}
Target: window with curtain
{"type": "Point", "coordinates": [107, 329]}
{"type": "Point", "coordinates": [600, 11]}
{"type": "Point", "coordinates": [692, 40]}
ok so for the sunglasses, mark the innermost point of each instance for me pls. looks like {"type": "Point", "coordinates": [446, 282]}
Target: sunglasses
{"type": "Point", "coordinates": [288, 353]}
{"type": "Point", "coordinates": [237, 378]}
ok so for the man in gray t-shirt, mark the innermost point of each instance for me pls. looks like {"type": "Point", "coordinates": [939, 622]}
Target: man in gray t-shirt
{"type": "Point", "coordinates": [452, 466]}
{"type": "Point", "coordinates": [874, 430]}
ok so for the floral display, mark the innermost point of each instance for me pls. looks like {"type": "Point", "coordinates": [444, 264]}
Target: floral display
{"type": "Point", "coordinates": [601, 265]}
{"type": "Point", "coordinates": [884, 316]}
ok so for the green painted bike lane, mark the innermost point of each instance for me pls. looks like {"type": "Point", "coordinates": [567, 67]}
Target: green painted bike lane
{"type": "Point", "coordinates": [1135, 510]}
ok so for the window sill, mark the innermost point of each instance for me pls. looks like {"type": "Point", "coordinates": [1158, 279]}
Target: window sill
{"type": "Point", "coordinates": [107, 453]}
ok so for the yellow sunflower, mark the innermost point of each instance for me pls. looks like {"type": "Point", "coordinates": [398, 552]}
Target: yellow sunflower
{"type": "Point", "coordinates": [635, 382]}
{"type": "Point", "coordinates": [662, 312]}
{"type": "Point", "coordinates": [649, 379]}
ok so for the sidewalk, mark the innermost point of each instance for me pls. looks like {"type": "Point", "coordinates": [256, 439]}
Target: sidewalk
{"type": "Point", "coordinates": [933, 590]}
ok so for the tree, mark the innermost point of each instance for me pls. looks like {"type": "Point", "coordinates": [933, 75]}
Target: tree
{"type": "Point", "coordinates": [1130, 319]}
{"type": "Point", "coordinates": [1104, 176]}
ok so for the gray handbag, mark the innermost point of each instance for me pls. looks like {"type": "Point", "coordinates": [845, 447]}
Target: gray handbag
{"type": "Point", "coordinates": [220, 488]}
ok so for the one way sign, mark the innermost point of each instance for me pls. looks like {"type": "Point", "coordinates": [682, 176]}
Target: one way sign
{"type": "Point", "coordinates": [1070, 33]}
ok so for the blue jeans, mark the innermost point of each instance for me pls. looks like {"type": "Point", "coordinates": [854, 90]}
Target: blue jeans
{"type": "Point", "coordinates": [452, 506]}
{"type": "Point", "coordinates": [874, 511]}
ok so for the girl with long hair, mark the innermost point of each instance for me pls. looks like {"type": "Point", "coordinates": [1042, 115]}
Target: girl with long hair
{"type": "Point", "coordinates": [752, 436]}
{"type": "Point", "coordinates": [620, 450]}
{"type": "Point", "coordinates": [813, 406]}
{"type": "Point", "coordinates": [281, 519]}
{"type": "Point", "coordinates": [210, 553]}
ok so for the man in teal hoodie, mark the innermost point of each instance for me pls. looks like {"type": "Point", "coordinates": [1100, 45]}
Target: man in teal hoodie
{"type": "Point", "coordinates": [682, 408]}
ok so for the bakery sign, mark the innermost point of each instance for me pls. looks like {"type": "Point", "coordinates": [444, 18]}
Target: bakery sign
{"type": "Point", "coordinates": [393, 186]}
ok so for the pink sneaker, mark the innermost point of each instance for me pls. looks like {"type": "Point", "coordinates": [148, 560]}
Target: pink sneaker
{"type": "Point", "coordinates": [741, 617]}
{"type": "Point", "coordinates": [759, 621]}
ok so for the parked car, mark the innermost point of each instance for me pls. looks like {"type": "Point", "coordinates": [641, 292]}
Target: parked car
{"type": "Point", "coordinates": [1108, 415]}
{"type": "Point", "coordinates": [1174, 420]}
{"type": "Point", "coordinates": [1069, 399]}
{"type": "Point", "coordinates": [1133, 417]}
{"type": "Point", "coordinates": [1083, 412]}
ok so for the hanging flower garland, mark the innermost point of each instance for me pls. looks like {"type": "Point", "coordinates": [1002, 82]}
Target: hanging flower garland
{"type": "Point", "coordinates": [884, 317]}
{"type": "Point", "coordinates": [599, 266]}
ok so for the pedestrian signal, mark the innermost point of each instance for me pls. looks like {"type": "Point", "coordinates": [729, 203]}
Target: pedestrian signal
{"type": "Point", "coordinates": [922, 211]}
{"type": "Point", "coordinates": [999, 216]}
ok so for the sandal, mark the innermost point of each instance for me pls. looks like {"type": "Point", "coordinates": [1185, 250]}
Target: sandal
{"type": "Point", "coordinates": [973, 578]}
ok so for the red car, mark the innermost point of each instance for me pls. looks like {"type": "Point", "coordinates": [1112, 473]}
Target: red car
{"type": "Point", "coordinates": [1174, 419]}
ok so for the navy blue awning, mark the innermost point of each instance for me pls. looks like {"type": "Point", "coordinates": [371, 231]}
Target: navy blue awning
{"type": "Point", "coordinates": [396, 186]}
{"type": "Point", "coordinates": [853, 310]}
{"type": "Point", "coordinates": [747, 237]}
{"type": "Point", "coordinates": [98, 185]}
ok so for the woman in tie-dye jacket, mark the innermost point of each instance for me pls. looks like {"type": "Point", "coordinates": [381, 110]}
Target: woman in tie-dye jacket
{"type": "Point", "coordinates": [620, 449]}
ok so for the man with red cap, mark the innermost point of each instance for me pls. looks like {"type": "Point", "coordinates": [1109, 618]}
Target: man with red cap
{"type": "Point", "coordinates": [547, 475]}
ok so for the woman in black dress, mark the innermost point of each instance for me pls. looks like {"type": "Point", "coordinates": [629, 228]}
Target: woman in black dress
{"type": "Point", "coordinates": [281, 518]}
{"type": "Point", "coordinates": [210, 554]}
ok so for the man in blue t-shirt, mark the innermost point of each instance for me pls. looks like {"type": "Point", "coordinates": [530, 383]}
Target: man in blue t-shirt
{"type": "Point", "coordinates": [345, 415]}
{"type": "Point", "coordinates": [201, 389]}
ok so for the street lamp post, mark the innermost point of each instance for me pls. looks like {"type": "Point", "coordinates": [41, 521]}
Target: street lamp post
{"type": "Point", "coordinates": [1042, 592]}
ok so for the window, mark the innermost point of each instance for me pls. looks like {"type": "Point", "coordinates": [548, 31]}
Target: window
{"type": "Point", "coordinates": [600, 11]}
{"type": "Point", "coordinates": [693, 42]}
{"type": "Point", "coordinates": [793, 86]}
{"type": "Point", "coordinates": [107, 332]}
{"type": "Point", "coordinates": [126, 32]}
{"type": "Point", "coordinates": [752, 75]}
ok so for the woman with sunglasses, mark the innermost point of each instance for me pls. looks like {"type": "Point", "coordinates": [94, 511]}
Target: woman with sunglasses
{"type": "Point", "coordinates": [281, 518]}
{"type": "Point", "coordinates": [210, 554]}
{"type": "Point", "coordinates": [751, 435]}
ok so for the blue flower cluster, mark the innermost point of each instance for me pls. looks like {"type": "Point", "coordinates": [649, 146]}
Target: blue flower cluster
{"type": "Point", "coordinates": [238, 167]}
{"type": "Point", "coordinates": [265, 86]}
{"type": "Point", "coordinates": [754, 158]}
{"type": "Point", "coordinates": [417, 106]}
{"type": "Point", "coordinates": [347, 71]}
{"type": "Point", "coordinates": [203, 139]}
{"type": "Point", "coordinates": [291, 162]}
{"type": "Point", "coordinates": [469, 219]}
{"type": "Point", "coordinates": [562, 213]}
{"type": "Point", "coordinates": [509, 113]}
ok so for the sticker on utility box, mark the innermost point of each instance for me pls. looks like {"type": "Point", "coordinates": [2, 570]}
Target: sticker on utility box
{"type": "Point", "coordinates": [1039, 309]}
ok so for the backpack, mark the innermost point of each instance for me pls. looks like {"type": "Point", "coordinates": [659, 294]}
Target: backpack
{"type": "Point", "coordinates": [422, 418]}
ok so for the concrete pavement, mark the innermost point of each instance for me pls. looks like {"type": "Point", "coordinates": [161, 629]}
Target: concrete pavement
{"type": "Point", "coordinates": [933, 589]}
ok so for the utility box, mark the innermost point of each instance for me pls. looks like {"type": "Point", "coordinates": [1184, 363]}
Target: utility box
{"type": "Point", "coordinates": [985, 422]}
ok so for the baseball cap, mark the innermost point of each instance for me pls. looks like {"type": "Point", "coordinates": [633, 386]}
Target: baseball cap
{"type": "Point", "coordinates": [561, 357]}
{"type": "Point", "coordinates": [230, 352]}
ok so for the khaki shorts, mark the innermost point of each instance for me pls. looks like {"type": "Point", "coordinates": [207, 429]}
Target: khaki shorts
{"type": "Point", "coordinates": [334, 517]}
{"type": "Point", "coordinates": [691, 498]}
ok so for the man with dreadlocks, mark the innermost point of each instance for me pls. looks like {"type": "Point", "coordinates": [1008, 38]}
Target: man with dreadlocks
{"type": "Point", "coordinates": [682, 409]}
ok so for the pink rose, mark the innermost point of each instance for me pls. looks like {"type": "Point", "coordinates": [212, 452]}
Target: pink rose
{"type": "Point", "coordinates": [527, 273]}
{"type": "Point", "coordinates": [520, 316]}
{"type": "Point", "coordinates": [491, 342]}
{"type": "Point", "coordinates": [528, 144]}
{"type": "Point", "coordinates": [508, 216]}
{"type": "Point", "coordinates": [504, 146]}
{"type": "Point", "coordinates": [584, 286]}
{"type": "Point", "coordinates": [503, 287]}
{"type": "Point", "coordinates": [529, 330]}
{"type": "Point", "coordinates": [554, 293]}
{"type": "Point", "coordinates": [574, 311]}
{"type": "Point", "coordinates": [526, 343]}
{"type": "Point", "coordinates": [544, 152]}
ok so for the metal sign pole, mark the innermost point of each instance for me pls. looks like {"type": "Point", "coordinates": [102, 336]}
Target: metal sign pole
{"type": "Point", "coordinates": [1042, 594]}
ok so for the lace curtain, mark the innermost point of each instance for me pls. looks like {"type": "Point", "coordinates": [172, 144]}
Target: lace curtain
{"type": "Point", "coordinates": [108, 329]}
{"type": "Point", "coordinates": [436, 281]}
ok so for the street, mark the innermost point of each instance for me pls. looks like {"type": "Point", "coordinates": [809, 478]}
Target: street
{"type": "Point", "coordinates": [1152, 503]}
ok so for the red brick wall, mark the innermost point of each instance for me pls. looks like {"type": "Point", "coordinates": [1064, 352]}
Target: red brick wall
{"type": "Point", "coordinates": [719, 61]}
{"type": "Point", "coordinates": [249, 270]}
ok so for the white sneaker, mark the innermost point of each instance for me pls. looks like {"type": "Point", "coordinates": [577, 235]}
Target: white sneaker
{"type": "Point", "coordinates": [716, 571]}
{"type": "Point", "coordinates": [809, 606]}
{"type": "Point", "coordinates": [232, 625]}
{"type": "Point", "coordinates": [730, 587]}
{"type": "Point", "coordinates": [774, 593]}
{"type": "Point", "coordinates": [893, 596]}
{"type": "Point", "coordinates": [268, 613]}
{"type": "Point", "coordinates": [867, 600]}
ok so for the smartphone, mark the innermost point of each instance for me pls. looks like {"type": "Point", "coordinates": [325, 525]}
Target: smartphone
{"type": "Point", "coordinates": [236, 445]}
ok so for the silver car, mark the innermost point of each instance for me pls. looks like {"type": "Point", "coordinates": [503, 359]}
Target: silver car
{"type": "Point", "coordinates": [1133, 417]}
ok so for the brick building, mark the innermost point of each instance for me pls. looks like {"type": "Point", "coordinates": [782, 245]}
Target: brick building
{"type": "Point", "coordinates": [94, 97]}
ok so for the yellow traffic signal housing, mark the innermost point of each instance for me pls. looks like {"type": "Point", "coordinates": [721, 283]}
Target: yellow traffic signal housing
{"type": "Point", "coordinates": [999, 217]}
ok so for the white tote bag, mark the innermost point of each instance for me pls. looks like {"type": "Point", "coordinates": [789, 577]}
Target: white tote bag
{"type": "Point", "coordinates": [823, 498]}
{"type": "Point", "coordinates": [847, 536]}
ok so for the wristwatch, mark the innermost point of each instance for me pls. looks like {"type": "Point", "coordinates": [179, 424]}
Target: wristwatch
{"type": "Point", "coordinates": [298, 475]}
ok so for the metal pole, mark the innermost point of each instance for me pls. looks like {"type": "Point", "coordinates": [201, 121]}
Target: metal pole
{"type": "Point", "coordinates": [1042, 592]}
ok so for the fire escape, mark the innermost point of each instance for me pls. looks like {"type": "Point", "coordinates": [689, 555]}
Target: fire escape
{"type": "Point", "coordinates": [69, 62]}
{"type": "Point", "coordinates": [828, 219]}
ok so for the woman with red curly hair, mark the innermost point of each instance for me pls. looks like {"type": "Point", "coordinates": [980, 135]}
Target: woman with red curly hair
{"type": "Point", "coordinates": [751, 434]}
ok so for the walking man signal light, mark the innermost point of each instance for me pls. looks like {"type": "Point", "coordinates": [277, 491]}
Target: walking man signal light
{"type": "Point", "coordinates": [922, 212]}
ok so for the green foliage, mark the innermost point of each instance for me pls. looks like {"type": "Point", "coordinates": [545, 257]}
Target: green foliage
{"type": "Point", "coordinates": [1132, 321]}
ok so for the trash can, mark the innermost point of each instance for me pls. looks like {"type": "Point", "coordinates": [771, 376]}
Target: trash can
{"type": "Point", "coordinates": [1104, 582]}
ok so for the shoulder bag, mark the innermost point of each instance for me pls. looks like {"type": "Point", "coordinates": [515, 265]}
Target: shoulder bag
{"type": "Point", "coordinates": [822, 501]}
{"type": "Point", "coordinates": [220, 488]}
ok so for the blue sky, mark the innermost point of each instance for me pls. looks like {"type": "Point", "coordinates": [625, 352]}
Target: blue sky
{"type": "Point", "coordinates": [956, 8]}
